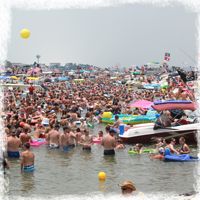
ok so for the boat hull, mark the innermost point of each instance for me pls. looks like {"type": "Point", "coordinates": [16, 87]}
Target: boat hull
{"type": "Point", "coordinates": [145, 135]}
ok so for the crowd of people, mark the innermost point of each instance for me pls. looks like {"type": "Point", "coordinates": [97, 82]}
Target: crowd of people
{"type": "Point", "coordinates": [62, 112]}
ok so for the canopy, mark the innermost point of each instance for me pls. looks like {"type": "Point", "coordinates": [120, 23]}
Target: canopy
{"type": "Point", "coordinates": [141, 104]}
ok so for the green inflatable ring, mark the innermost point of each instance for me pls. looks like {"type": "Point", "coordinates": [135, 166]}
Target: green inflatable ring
{"type": "Point", "coordinates": [144, 151]}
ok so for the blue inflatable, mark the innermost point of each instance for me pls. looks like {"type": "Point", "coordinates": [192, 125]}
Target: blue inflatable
{"type": "Point", "coordinates": [180, 158]}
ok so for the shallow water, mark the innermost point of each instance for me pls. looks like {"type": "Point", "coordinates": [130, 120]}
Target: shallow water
{"type": "Point", "coordinates": [76, 172]}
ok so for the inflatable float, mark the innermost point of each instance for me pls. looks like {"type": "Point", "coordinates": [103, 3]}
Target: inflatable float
{"type": "Point", "coordinates": [132, 119]}
{"type": "Point", "coordinates": [143, 151]}
{"type": "Point", "coordinates": [90, 125]}
{"type": "Point", "coordinates": [96, 140]}
{"type": "Point", "coordinates": [37, 142]}
{"type": "Point", "coordinates": [174, 104]}
{"type": "Point", "coordinates": [180, 158]}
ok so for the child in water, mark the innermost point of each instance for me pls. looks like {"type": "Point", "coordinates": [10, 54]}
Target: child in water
{"type": "Point", "coordinates": [138, 148]}
{"type": "Point", "coordinates": [159, 156]}
{"type": "Point", "coordinates": [119, 144]}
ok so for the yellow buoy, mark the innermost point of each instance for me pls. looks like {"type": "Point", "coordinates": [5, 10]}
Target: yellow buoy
{"type": "Point", "coordinates": [25, 33]}
{"type": "Point", "coordinates": [102, 176]}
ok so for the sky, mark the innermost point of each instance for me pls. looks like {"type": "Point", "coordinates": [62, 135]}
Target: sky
{"type": "Point", "coordinates": [105, 37]}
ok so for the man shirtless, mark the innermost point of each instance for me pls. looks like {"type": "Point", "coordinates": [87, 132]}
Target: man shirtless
{"type": "Point", "coordinates": [109, 143]}
{"type": "Point", "coordinates": [86, 140]}
{"type": "Point", "coordinates": [53, 137]}
{"type": "Point", "coordinates": [27, 159]}
{"type": "Point", "coordinates": [25, 137]}
{"type": "Point", "coordinates": [67, 139]}
{"type": "Point", "coordinates": [13, 144]}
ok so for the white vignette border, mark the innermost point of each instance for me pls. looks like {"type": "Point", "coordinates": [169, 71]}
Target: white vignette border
{"type": "Point", "coordinates": [6, 7]}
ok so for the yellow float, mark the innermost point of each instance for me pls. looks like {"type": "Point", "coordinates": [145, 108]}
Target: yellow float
{"type": "Point", "coordinates": [107, 115]}
{"type": "Point", "coordinates": [25, 33]}
{"type": "Point", "coordinates": [102, 176]}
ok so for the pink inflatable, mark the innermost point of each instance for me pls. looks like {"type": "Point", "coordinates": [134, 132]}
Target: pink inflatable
{"type": "Point", "coordinates": [97, 140]}
{"type": "Point", "coordinates": [37, 143]}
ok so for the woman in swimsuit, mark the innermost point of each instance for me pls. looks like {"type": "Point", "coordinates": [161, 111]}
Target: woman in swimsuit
{"type": "Point", "coordinates": [169, 149]}
{"type": "Point", "coordinates": [184, 147]}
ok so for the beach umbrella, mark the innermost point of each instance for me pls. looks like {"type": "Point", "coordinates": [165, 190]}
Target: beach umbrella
{"type": "Point", "coordinates": [141, 104]}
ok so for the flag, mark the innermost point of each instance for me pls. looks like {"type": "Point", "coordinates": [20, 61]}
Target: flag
{"type": "Point", "coordinates": [167, 57]}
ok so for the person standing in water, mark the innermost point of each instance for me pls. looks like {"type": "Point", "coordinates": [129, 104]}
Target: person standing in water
{"type": "Point", "coordinates": [13, 145]}
{"type": "Point", "coordinates": [53, 137]}
{"type": "Point", "coordinates": [27, 159]}
{"type": "Point", "coordinates": [109, 143]}
{"type": "Point", "coordinates": [86, 140]}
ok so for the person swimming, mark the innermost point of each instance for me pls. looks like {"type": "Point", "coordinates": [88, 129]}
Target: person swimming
{"type": "Point", "coordinates": [159, 156]}
{"type": "Point", "coordinates": [184, 147]}
{"type": "Point", "coordinates": [169, 149]}
{"type": "Point", "coordinates": [138, 148]}
{"type": "Point", "coordinates": [127, 187]}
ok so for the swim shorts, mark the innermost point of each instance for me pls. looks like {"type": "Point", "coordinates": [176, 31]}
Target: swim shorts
{"type": "Point", "coordinates": [13, 154]}
{"type": "Point", "coordinates": [68, 147]}
{"type": "Point", "coordinates": [54, 146]}
{"type": "Point", "coordinates": [87, 148]}
{"type": "Point", "coordinates": [109, 152]}
{"type": "Point", "coordinates": [29, 168]}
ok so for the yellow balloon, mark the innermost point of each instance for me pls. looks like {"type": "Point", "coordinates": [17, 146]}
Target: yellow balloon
{"type": "Point", "coordinates": [25, 33]}
{"type": "Point", "coordinates": [102, 176]}
{"type": "Point", "coordinates": [107, 115]}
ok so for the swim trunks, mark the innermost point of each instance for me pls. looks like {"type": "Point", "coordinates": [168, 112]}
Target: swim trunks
{"type": "Point", "coordinates": [68, 147]}
{"type": "Point", "coordinates": [87, 148]}
{"type": "Point", "coordinates": [13, 154]}
{"type": "Point", "coordinates": [54, 146]}
{"type": "Point", "coordinates": [109, 152]}
{"type": "Point", "coordinates": [29, 168]}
